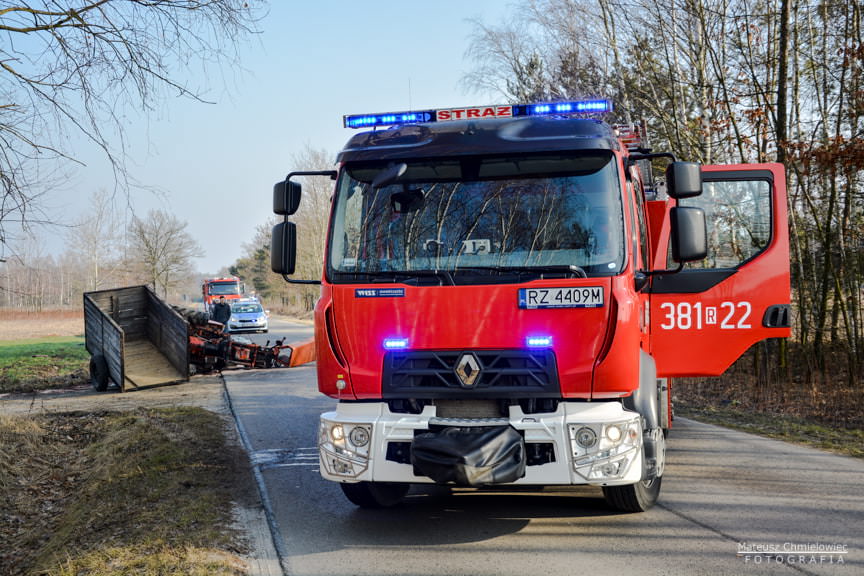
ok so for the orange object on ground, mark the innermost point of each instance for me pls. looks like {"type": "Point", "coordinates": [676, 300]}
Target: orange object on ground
{"type": "Point", "coordinates": [302, 353]}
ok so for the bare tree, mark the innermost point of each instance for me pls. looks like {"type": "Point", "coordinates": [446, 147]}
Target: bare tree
{"type": "Point", "coordinates": [163, 250]}
{"type": "Point", "coordinates": [69, 66]}
{"type": "Point", "coordinates": [729, 81]}
{"type": "Point", "coordinates": [96, 240]}
{"type": "Point", "coordinates": [311, 220]}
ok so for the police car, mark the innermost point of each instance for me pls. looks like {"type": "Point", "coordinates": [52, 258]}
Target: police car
{"type": "Point", "coordinates": [247, 315]}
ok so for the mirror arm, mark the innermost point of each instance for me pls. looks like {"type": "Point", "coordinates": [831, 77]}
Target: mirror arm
{"type": "Point", "coordinates": [292, 281]}
{"type": "Point", "coordinates": [331, 173]}
{"type": "Point", "coordinates": [661, 272]}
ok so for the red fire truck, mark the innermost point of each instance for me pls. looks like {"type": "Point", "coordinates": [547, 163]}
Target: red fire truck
{"type": "Point", "coordinates": [508, 291]}
{"type": "Point", "coordinates": [214, 288]}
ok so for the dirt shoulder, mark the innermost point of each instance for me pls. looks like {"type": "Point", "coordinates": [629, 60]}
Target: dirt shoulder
{"type": "Point", "coordinates": [201, 391]}
{"type": "Point", "coordinates": [207, 392]}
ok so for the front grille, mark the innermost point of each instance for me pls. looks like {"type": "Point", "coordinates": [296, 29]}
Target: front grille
{"type": "Point", "coordinates": [502, 374]}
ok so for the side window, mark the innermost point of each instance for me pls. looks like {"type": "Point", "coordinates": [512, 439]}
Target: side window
{"type": "Point", "coordinates": [738, 217]}
{"type": "Point", "coordinates": [643, 225]}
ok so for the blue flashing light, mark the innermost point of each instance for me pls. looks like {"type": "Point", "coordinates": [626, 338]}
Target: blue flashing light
{"type": "Point", "coordinates": [387, 119]}
{"type": "Point", "coordinates": [395, 343]}
{"type": "Point", "coordinates": [577, 107]}
{"type": "Point", "coordinates": [599, 106]}
{"type": "Point", "coordinates": [538, 342]}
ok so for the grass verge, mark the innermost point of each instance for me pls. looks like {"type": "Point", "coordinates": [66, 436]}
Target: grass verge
{"type": "Point", "coordinates": [40, 363]}
{"type": "Point", "coordinates": [848, 441]}
{"type": "Point", "coordinates": [145, 492]}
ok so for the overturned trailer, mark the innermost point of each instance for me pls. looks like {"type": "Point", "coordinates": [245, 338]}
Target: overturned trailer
{"type": "Point", "coordinates": [135, 340]}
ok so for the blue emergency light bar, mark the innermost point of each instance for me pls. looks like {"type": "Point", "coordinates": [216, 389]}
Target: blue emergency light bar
{"type": "Point", "coordinates": [578, 107]}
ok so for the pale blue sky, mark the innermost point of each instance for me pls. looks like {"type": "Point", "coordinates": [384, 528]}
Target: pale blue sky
{"type": "Point", "coordinates": [313, 62]}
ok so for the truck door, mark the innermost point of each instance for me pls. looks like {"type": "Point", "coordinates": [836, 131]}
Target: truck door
{"type": "Point", "coordinates": [706, 316]}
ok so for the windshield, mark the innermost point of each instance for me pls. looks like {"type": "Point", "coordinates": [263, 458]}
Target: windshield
{"type": "Point", "coordinates": [470, 217]}
{"type": "Point", "coordinates": [246, 308]}
{"type": "Point", "coordinates": [224, 288]}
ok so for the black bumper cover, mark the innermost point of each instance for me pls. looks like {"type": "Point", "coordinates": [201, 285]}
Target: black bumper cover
{"type": "Point", "coordinates": [470, 456]}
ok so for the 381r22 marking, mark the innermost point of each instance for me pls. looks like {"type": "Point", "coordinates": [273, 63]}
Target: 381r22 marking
{"type": "Point", "coordinates": [695, 316]}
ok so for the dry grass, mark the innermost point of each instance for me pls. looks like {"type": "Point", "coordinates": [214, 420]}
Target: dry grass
{"type": "Point", "coordinates": [146, 492]}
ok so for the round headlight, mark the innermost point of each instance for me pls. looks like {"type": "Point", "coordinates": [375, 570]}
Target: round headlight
{"type": "Point", "coordinates": [359, 436]}
{"type": "Point", "coordinates": [613, 433]}
{"type": "Point", "coordinates": [337, 433]}
{"type": "Point", "coordinates": [586, 437]}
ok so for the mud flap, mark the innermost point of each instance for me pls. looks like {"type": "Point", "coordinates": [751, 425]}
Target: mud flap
{"type": "Point", "coordinates": [470, 456]}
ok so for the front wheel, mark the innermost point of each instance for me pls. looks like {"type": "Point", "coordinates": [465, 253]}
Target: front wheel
{"type": "Point", "coordinates": [641, 496]}
{"type": "Point", "coordinates": [375, 494]}
{"type": "Point", "coordinates": [637, 497]}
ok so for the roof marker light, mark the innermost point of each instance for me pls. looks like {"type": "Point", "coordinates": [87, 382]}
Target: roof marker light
{"type": "Point", "coordinates": [395, 343]}
{"type": "Point", "coordinates": [578, 107]}
{"type": "Point", "coordinates": [538, 342]}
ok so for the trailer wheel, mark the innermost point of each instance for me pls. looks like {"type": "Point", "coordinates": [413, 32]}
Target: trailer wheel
{"type": "Point", "coordinates": [99, 372]}
{"type": "Point", "coordinates": [375, 494]}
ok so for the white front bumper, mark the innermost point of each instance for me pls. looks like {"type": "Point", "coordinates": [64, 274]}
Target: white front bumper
{"type": "Point", "coordinates": [604, 463]}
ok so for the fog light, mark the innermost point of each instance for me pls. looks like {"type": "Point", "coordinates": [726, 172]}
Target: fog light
{"type": "Point", "coordinates": [359, 436]}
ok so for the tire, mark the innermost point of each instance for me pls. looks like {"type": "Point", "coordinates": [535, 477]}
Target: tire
{"type": "Point", "coordinates": [637, 497]}
{"type": "Point", "coordinates": [375, 494]}
{"type": "Point", "coordinates": [640, 496]}
{"type": "Point", "coordinates": [99, 372]}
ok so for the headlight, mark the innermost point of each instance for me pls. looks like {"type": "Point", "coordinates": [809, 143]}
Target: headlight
{"type": "Point", "coordinates": [337, 433]}
{"type": "Point", "coordinates": [359, 436]}
{"type": "Point", "coordinates": [349, 439]}
{"type": "Point", "coordinates": [585, 437]}
{"type": "Point", "coordinates": [344, 447]}
{"type": "Point", "coordinates": [603, 452]}
{"type": "Point", "coordinates": [613, 433]}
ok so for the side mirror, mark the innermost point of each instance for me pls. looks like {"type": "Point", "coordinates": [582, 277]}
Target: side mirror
{"type": "Point", "coordinates": [683, 180]}
{"type": "Point", "coordinates": [283, 248]}
{"type": "Point", "coordinates": [688, 234]}
{"type": "Point", "coordinates": [286, 197]}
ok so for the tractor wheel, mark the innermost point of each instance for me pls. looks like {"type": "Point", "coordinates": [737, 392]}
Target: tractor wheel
{"type": "Point", "coordinates": [99, 372]}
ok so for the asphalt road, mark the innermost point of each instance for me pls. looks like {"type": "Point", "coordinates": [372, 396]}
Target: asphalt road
{"type": "Point", "coordinates": [731, 503]}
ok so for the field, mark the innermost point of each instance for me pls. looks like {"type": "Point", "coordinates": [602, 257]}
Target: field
{"type": "Point", "coordinates": [22, 325]}
{"type": "Point", "coordinates": [42, 350]}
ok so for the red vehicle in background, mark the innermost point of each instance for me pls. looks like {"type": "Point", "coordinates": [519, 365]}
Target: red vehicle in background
{"type": "Point", "coordinates": [508, 291]}
{"type": "Point", "coordinates": [231, 288]}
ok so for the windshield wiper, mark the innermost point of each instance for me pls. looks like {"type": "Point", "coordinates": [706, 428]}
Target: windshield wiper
{"type": "Point", "coordinates": [569, 269]}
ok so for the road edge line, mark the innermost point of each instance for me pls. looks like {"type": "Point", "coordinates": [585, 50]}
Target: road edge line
{"type": "Point", "coordinates": [272, 524]}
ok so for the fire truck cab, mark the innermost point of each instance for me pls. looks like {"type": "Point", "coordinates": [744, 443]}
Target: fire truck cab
{"type": "Point", "coordinates": [506, 295]}
{"type": "Point", "coordinates": [230, 288]}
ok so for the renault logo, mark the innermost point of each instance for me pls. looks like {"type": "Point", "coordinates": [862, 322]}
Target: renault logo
{"type": "Point", "coordinates": [468, 370]}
